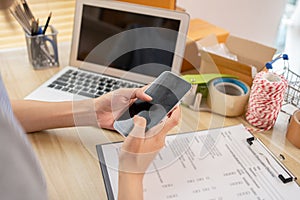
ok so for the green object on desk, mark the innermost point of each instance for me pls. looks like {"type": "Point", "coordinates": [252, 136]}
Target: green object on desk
{"type": "Point", "coordinates": [202, 80]}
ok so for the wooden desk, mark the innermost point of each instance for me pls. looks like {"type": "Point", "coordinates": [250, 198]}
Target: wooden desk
{"type": "Point", "coordinates": [68, 156]}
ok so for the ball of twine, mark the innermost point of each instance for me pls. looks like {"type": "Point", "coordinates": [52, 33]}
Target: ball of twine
{"type": "Point", "coordinates": [265, 101]}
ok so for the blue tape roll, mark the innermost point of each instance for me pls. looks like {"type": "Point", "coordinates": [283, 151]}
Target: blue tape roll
{"type": "Point", "coordinates": [236, 82]}
{"type": "Point", "coordinates": [228, 96]}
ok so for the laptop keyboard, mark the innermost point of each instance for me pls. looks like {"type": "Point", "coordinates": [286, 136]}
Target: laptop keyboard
{"type": "Point", "coordinates": [89, 84]}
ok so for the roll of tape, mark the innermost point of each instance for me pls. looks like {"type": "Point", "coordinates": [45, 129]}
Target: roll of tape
{"type": "Point", "coordinates": [293, 133]}
{"type": "Point", "coordinates": [228, 96]}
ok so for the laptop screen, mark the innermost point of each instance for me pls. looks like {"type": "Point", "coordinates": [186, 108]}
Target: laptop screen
{"type": "Point", "coordinates": [102, 24]}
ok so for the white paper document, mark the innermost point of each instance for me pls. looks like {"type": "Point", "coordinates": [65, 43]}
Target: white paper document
{"type": "Point", "coordinates": [215, 164]}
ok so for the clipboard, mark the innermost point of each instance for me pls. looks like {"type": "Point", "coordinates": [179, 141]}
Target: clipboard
{"type": "Point", "coordinates": [223, 163]}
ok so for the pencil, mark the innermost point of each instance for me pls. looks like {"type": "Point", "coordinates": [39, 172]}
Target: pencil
{"type": "Point", "coordinates": [25, 28]}
{"type": "Point", "coordinates": [19, 13]}
{"type": "Point", "coordinates": [47, 23]}
{"type": "Point", "coordinates": [34, 27]}
{"type": "Point", "coordinates": [27, 10]}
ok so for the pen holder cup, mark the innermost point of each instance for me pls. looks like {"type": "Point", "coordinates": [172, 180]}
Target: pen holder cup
{"type": "Point", "coordinates": [42, 49]}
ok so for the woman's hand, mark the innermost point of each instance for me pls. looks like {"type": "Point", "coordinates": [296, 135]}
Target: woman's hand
{"type": "Point", "coordinates": [111, 105]}
{"type": "Point", "coordinates": [138, 151]}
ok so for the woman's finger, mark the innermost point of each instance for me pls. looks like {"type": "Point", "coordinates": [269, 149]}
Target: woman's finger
{"type": "Point", "coordinates": [139, 127]}
{"type": "Point", "coordinates": [140, 94]}
{"type": "Point", "coordinates": [172, 120]}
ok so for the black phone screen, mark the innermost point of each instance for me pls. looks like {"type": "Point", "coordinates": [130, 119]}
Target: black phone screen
{"type": "Point", "coordinates": [163, 100]}
{"type": "Point", "coordinates": [166, 92]}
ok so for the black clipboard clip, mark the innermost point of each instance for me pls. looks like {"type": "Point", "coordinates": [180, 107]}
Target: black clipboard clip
{"type": "Point", "coordinates": [250, 140]}
{"type": "Point", "coordinates": [280, 176]}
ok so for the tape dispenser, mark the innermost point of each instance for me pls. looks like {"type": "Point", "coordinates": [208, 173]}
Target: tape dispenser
{"type": "Point", "coordinates": [194, 99]}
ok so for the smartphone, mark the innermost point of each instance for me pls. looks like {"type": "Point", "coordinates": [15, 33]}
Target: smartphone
{"type": "Point", "coordinates": [166, 91]}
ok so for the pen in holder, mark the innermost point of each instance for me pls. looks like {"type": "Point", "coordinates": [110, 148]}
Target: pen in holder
{"type": "Point", "coordinates": [42, 48]}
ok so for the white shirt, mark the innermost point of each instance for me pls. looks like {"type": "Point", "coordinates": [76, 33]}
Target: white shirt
{"type": "Point", "coordinates": [20, 173]}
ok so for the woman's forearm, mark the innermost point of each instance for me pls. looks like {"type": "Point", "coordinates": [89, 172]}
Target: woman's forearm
{"type": "Point", "coordinates": [130, 186]}
{"type": "Point", "coordinates": [38, 115]}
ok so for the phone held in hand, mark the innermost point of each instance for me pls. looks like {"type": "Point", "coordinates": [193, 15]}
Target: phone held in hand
{"type": "Point", "coordinates": [166, 91]}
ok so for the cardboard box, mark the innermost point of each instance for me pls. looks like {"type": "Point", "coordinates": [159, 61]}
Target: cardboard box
{"type": "Point", "coordinates": [199, 29]}
{"type": "Point", "coordinates": [168, 4]}
{"type": "Point", "coordinates": [251, 58]}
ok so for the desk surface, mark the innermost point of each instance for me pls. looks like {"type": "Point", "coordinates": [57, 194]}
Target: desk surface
{"type": "Point", "coordinates": [68, 155]}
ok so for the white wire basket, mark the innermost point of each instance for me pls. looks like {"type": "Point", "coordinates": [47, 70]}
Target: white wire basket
{"type": "Point", "coordinates": [292, 95]}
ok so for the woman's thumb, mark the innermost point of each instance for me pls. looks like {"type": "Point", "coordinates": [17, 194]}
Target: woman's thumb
{"type": "Point", "coordinates": [139, 127]}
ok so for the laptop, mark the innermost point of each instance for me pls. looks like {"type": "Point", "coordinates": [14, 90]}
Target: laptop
{"type": "Point", "coordinates": [114, 45]}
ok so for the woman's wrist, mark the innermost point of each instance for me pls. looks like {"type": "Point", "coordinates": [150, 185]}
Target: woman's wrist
{"type": "Point", "coordinates": [135, 176]}
{"type": "Point", "coordinates": [84, 113]}
{"type": "Point", "coordinates": [130, 186]}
